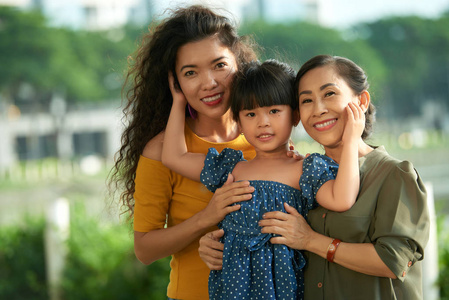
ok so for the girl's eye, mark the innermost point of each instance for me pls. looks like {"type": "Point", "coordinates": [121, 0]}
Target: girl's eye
{"type": "Point", "coordinates": [251, 114]}
{"type": "Point", "coordinates": [274, 110]}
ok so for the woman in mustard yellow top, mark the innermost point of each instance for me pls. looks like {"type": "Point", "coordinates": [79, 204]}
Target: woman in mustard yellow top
{"type": "Point", "coordinates": [170, 212]}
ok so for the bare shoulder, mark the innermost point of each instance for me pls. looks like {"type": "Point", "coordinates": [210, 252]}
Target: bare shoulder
{"type": "Point", "coordinates": [153, 149]}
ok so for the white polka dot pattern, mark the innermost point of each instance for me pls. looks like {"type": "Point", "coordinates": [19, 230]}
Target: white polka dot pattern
{"type": "Point", "coordinates": [253, 268]}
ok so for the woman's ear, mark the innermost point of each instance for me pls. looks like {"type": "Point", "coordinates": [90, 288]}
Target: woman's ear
{"type": "Point", "coordinates": [295, 118]}
{"type": "Point", "coordinates": [364, 100]}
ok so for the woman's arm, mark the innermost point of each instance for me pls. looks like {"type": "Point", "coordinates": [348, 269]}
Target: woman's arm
{"type": "Point", "coordinates": [174, 152]}
{"type": "Point", "coordinates": [156, 244]}
{"type": "Point", "coordinates": [340, 194]}
{"type": "Point", "coordinates": [296, 233]}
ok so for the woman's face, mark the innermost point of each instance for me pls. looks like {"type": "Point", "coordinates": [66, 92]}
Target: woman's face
{"type": "Point", "coordinates": [323, 97]}
{"type": "Point", "coordinates": [205, 70]}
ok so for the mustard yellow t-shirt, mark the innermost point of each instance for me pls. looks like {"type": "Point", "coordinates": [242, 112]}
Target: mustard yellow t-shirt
{"type": "Point", "coordinates": [165, 197]}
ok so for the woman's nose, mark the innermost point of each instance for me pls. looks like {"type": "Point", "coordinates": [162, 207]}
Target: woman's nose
{"type": "Point", "coordinates": [209, 81]}
{"type": "Point", "coordinates": [319, 108]}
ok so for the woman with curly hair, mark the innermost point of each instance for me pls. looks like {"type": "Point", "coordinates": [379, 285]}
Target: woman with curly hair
{"type": "Point", "coordinates": [170, 212]}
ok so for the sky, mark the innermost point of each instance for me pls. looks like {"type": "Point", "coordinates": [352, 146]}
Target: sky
{"type": "Point", "coordinates": [336, 13]}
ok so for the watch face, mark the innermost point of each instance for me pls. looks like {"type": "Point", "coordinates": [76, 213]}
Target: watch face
{"type": "Point", "coordinates": [332, 247]}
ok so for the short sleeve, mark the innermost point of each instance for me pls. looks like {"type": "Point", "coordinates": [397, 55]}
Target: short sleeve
{"type": "Point", "coordinates": [402, 220]}
{"type": "Point", "coordinates": [153, 191]}
{"type": "Point", "coordinates": [317, 169]}
{"type": "Point", "coordinates": [218, 166]}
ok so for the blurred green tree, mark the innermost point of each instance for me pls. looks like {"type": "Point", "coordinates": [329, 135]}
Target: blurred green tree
{"type": "Point", "coordinates": [416, 51]}
{"type": "Point", "coordinates": [38, 61]}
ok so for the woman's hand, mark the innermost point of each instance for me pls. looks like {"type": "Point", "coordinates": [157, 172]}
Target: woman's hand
{"type": "Point", "coordinates": [291, 226]}
{"type": "Point", "coordinates": [355, 123]}
{"type": "Point", "coordinates": [211, 249]}
{"type": "Point", "coordinates": [221, 203]}
{"type": "Point", "coordinates": [294, 153]}
{"type": "Point", "coordinates": [177, 94]}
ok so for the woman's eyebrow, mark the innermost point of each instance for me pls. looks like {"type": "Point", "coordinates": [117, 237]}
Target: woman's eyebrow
{"type": "Point", "coordinates": [321, 88]}
{"type": "Point", "coordinates": [194, 66]}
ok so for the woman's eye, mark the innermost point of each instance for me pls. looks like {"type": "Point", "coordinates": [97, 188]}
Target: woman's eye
{"type": "Point", "coordinates": [221, 65]}
{"type": "Point", "coordinates": [304, 101]}
{"type": "Point", "coordinates": [329, 93]}
{"type": "Point", "coordinates": [189, 73]}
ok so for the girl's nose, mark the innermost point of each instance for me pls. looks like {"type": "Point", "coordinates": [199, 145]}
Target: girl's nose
{"type": "Point", "coordinates": [263, 121]}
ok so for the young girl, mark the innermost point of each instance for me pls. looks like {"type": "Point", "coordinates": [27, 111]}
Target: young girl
{"type": "Point", "coordinates": [264, 105]}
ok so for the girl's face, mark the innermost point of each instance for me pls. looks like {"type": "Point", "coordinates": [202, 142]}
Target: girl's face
{"type": "Point", "coordinates": [205, 70]}
{"type": "Point", "coordinates": [267, 128]}
{"type": "Point", "coordinates": [323, 97]}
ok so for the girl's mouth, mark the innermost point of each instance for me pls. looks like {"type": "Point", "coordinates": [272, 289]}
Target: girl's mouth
{"type": "Point", "coordinates": [265, 136]}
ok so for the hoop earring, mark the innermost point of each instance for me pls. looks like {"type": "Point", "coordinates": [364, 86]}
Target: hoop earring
{"type": "Point", "coordinates": [193, 114]}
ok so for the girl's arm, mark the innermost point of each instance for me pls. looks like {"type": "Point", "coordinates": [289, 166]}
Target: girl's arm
{"type": "Point", "coordinates": [296, 233]}
{"type": "Point", "coordinates": [174, 151]}
{"type": "Point", "coordinates": [340, 194]}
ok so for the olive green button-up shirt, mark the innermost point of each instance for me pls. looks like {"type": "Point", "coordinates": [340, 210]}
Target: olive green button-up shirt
{"type": "Point", "coordinates": [390, 212]}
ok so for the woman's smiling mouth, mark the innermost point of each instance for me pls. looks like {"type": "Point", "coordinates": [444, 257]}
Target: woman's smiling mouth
{"type": "Point", "coordinates": [325, 124]}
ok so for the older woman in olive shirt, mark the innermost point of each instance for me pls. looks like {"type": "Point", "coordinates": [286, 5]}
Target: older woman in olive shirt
{"type": "Point", "coordinates": [373, 250]}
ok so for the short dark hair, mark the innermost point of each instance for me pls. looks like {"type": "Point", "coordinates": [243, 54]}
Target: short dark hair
{"type": "Point", "coordinates": [263, 84]}
{"type": "Point", "coordinates": [354, 76]}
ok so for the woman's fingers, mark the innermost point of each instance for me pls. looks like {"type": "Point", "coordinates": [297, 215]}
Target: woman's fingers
{"type": "Point", "coordinates": [211, 250]}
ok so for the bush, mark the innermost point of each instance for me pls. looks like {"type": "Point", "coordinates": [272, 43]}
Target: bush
{"type": "Point", "coordinates": [443, 253]}
{"type": "Point", "coordinates": [100, 263]}
{"type": "Point", "coordinates": [22, 261]}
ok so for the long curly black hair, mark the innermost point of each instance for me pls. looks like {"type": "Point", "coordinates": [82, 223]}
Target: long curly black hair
{"type": "Point", "coordinates": [146, 86]}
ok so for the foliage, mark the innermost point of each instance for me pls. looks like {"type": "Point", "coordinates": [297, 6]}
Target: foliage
{"type": "Point", "coordinates": [443, 251]}
{"type": "Point", "coordinates": [22, 261]}
{"type": "Point", "coordinates": [39, 61]}
{"type": "Point", "coordinates": [416, 51]}
{"type": "Point", "coordinates": [100, 263]}
{"type": "Point", "coordinates": [105, 267]}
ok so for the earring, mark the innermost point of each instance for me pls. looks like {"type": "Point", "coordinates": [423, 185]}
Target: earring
{"type": "Point", "coordinates": [193, 114]}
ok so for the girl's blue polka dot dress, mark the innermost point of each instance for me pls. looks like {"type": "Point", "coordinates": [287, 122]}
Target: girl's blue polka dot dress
{"type": "Point", "coordinates": [253, 268]}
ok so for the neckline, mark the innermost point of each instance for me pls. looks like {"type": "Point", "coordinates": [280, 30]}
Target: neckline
{"type": "Point", "coordinates": [275, 183]}
{"type": "Point", "coordinates": [190, 131]}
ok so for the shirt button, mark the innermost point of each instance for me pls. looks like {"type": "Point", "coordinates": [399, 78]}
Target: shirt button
{"type": "Point", "coordinates": [403, 274]}
{"type": "Point", "coordinates": [409, 264]}
{"type": "Point", "coordinates": [320, 285]}
{"type": "Point", "coordinates": [324, 216]}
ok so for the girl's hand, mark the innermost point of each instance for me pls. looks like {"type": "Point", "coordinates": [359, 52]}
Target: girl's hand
{"type": "Point", "coordinates": [221, 203]}
{"type": "Point", "coordinates": [291, 226]}
{"type": "Point", "coordinates": [355, 123]}
{"type": "Point", "coordinates": [177, 94]}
